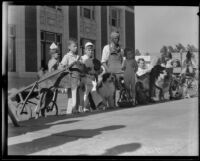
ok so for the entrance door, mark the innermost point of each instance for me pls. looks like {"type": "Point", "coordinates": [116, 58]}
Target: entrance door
{"type": "Point", "coordinates": [47, 38]}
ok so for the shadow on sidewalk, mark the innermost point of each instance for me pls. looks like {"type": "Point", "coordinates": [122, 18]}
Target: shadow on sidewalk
{"type": "Point", "coordinates": [122, 149]}
{"type": "Point", "coordinates": [36, 125]}
{"type": "Point", "coordinates": [43, 123]}
{"type": "Point", "coordinates": [57, 139]}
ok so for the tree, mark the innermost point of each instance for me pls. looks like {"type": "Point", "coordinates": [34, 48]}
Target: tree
{"type": "Point", "coordinates": [147, 53]}
{"type": "Point", "coordinates": [180, 48]}
{"type": "Point", "coordinates": [171, 49]}
{"type": "Point", "coordinates": [164, 50]}
{"type": "Point", "coordinates": [137, 52]}
{"type": "Point", "coordinates": [192, 48]}
{"type": "Point", "coordinates": [175, 50]}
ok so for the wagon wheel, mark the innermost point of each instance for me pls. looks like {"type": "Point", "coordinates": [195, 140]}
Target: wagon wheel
{"type": "Point", "coordinates": [51, 109]}
{"type": "Point", "coordinates": [26, 114]}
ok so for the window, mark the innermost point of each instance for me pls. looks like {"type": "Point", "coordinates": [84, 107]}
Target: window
{"type": "Point", "coordinates": [52, 6]}
{"type": "Point", "coordinates": [115, 17]}
{"type": "Point", "coordinates": [87, 12]}
{"type": "Point", "coordinates": [50, 37]}
{"type": "Point", "coordinates": [56, 7]}
{"type": "Point", "coordinates": [11, 49]}
{"type": "Point", "coordinates": [47, 38]}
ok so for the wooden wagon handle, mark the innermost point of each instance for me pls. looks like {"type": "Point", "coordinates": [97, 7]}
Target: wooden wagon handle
{"type": "Point", "coordinates": [39, 81]}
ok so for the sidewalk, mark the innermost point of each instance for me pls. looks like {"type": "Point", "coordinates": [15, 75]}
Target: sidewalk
{"type": "Point", "coordinates": [169, 128]}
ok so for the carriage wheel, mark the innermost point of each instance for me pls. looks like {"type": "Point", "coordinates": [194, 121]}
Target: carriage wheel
{"type": "Point", "coordinates": [51, 109]}
{"type": "Point", "coordinates": [26, 114]}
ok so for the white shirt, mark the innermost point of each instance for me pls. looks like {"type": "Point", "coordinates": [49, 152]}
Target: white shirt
{"type": "Point", "coordinates": [142, 71]}
{"type": "Point", "coordinates": [87, 61]}
{"type": "Point", "coordinates": [106, 53]}
{"type": "Point", "coordinates": [68, 59]}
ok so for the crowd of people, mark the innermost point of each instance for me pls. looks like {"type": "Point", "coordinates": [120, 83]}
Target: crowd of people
{"type": "Point", "coordinates": [115, 60]}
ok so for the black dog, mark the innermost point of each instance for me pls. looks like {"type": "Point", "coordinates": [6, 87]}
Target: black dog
{"type": "Point", "coordinates": [141, 94]}
{"type": "Point", "coordinates": [159, 80]}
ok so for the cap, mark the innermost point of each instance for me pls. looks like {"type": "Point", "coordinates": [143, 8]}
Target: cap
{"type": "Point", "coordinates": [89, 44]}
{"type": "Point", "coordinates": [53, 46]}
{"type": "Point", "coordinates": [114, 34]}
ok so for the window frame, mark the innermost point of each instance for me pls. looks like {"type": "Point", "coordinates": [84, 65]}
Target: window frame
{"type": "Point", "coordinates": [91, 13]}
{"type": "Point", "coordinates": [44, 42]}
{"type": "Point", "coordinates": [117, 19]}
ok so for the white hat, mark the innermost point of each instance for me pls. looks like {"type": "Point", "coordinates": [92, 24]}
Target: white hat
{"type": "Point", "coordinates": [53, 46]}
{"type": "Point", "coordinates": [89, 44]}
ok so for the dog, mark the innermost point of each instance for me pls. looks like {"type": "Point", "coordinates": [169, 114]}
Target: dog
{"type": "Point", "coordinates": [106, 89]}
{"type": "Point", "coordinates": [141, 93]}
{"type": "Point", "coordinates": [159, 82]}
{"type": "Point", "coordinates": [176, 88]}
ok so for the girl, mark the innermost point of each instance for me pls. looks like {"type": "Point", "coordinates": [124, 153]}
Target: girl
{"type": "Point", "coordinates": [130, 67]}
{"type": "Point", "coordinates": [54, 61]}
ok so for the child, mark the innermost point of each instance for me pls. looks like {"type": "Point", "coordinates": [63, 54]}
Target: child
{"type": "Point", "coordinates": [90, 79]}
{"type": "Point", "coordinates": [143, 73]}
{"type": "Point", "coordinates": [70, 80]}
{"type": "Point", "coordinates": [189, 65]}
{"type": "Point", "coordinates": [130, 67]}
{"type": "Point", "coordinates": [189, 69]}
{"type": "Point", "coordinates": [54, 61]}
{"type": "Point", "coordinates": [142, 68]}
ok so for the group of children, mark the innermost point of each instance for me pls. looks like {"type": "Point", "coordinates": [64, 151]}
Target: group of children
{"type": "Point", "coordinates": [71, 81]}
{"type": "Point", "coordinates": [131, 70]}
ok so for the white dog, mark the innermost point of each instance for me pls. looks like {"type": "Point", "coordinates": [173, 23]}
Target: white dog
{"type": "Point", "coordinates": [106, 89]}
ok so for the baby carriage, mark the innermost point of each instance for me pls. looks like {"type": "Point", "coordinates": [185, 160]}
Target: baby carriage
{"type": "Point", "coordinates": [44, 92]}
{"type": "Point", "coordinates": [125, 99]}
{"type": "Point", "coordinates": [42, 97]}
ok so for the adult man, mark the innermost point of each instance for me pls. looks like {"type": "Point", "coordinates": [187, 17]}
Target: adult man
{"type": "Point", "coordinates": [113, 56]}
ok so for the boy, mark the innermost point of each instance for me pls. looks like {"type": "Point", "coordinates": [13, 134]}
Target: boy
{"type": "Point", "coordinates": [143, 73]}
{"type": "Point", "coordinates": [71, 80]}
{"type": "Point", "coordinates": [90, 79]}
{"type": "Point", "coordinates": [54, 61]}
{"type": "Point", "coordinates": [142, 69]}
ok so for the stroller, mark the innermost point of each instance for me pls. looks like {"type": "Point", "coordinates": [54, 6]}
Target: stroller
{"type": "Point", "coordinates": [44, 92]}
{"type": "Point", "coordinates": [125, 99]}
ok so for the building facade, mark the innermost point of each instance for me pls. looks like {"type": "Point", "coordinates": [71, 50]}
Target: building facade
{"type": "Point", "coordinates": [31, 30]}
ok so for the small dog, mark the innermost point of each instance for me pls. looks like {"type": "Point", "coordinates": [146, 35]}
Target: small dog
{"type": "Point", "coordinates": [176, 89]}
{"type": "Point", "coordinates": [106, 88]}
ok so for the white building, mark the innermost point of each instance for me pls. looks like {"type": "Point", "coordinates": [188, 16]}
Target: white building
{"type": "Point", "coordinates": [31, 30]}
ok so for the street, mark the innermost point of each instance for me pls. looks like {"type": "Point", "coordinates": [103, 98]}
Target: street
{"type": "Point", "coordinates": [169, 129]}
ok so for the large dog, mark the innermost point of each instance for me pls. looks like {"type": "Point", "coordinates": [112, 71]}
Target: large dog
{"type": "Point", "coordinates": [106, 88]}
{"type": "Point", "coordinates": [159, 82]}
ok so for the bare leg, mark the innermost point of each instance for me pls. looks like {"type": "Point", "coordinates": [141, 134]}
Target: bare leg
{"type": "Point", "coordinates": [74, 98]}
{"type": "Point", "coordinates": [85, 97]}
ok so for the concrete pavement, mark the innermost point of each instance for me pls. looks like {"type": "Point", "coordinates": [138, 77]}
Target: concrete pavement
{"type": "Point", "coordinates": [169, 129]}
